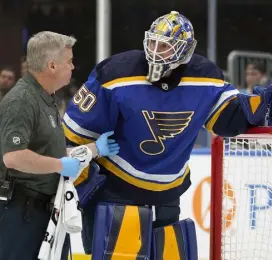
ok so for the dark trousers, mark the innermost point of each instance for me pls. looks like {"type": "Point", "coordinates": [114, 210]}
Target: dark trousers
{"type": "Point", "coordinates": [166, 214]}
{"type": "Point", "coordinates": [23, 224]}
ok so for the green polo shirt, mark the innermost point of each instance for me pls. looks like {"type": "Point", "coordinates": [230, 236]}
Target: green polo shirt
{"type": "Point", "coordinates": [29, 119]}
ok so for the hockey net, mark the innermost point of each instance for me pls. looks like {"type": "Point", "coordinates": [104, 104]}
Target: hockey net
{"type": "Point", "coordinates": [241, 197]}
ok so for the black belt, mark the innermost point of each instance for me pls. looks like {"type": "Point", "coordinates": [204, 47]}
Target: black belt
{"type": "Point", "coordinates": [32, 197]}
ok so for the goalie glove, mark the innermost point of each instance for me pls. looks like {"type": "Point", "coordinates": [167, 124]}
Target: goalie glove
{"type": "Point", "coordinates": [257, 107]}
{"type": "Point", "coordinates": [268, 116]}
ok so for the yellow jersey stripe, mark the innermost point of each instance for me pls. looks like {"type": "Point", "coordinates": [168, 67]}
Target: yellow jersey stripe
{"type": "Point", "coordinates": [212, 121]}
{"type": "Point", "coordinates": [73, 137]}
{"type": "Point", "coordinates": [147, 185]}
{"type": "Point", "coordinates": [210, 80]}
{"type": "Point", "coordinates": [126, 81]}
{"type": "Point", "coordinates": [76, 128]}
{"type": "Point", "coordinates": [123, 80]}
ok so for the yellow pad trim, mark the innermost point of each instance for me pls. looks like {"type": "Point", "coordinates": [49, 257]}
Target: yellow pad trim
{"type": "Point", "coordinates": [254, 103]}
{"type": "Point", "coordinates": [82, 177]}
{"type": "Point", "coordinates": [171, 250]}
{"type": "Point", "coordinates": [212, 121]}
{"type": "Point", "coordinates": [129, 239]}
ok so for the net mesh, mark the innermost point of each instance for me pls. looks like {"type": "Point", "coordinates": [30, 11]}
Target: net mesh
{"type": "Point", "coordinates": [247, 198]}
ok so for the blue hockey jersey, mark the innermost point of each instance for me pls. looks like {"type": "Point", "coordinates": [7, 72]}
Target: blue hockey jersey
{"type": "Point", "coordinates": [156, 129]}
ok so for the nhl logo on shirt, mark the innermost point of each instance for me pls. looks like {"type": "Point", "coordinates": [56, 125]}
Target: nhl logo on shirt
{"type": "Point", "coordinates": [164, 86]}
{"type": "Point", "coordinates": [16, 140]}
{"type": "Point", "coordinates": [52, 121]}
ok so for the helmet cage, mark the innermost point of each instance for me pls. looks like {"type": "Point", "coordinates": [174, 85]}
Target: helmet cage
{"type": "Point", "coordinates": [175, 48]}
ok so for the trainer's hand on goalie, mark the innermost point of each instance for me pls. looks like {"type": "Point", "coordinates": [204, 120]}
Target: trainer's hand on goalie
{"type": "Point", "coordinates": [106, 146]}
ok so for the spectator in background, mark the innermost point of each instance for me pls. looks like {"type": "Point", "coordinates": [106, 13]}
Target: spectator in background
{"type": "Point", "coordinates": [255, 76]}
{"type": "Point", "coordinates": [7, 80]}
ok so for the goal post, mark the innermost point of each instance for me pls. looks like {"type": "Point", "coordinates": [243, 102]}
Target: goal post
{"type": "Point", "coordinates": [241, 196]}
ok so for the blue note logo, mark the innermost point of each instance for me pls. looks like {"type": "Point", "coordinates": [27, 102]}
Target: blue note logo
{"type": "Point", "coordinates": [163, 126]}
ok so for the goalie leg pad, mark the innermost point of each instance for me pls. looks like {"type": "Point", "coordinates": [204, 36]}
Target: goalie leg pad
{"type": "Point", "coordinates": [88, 227]}
{"type": "Point", "coordinates": [122, 232]}
{"type": "Point", "coordinates": [175, 242]}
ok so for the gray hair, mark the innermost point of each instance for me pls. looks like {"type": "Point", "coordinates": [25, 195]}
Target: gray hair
{"type": "Point", "coordinates": [44, 46]}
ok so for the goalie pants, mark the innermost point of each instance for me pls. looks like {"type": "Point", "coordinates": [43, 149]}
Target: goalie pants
{"type": "Point", "coordinates": [23, 224]}
{"type": "Point", "coordinates": [165, 214]}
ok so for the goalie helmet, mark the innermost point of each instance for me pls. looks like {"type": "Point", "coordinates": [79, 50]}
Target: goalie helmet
{"type": "Point", "coordinates": [168, 43]}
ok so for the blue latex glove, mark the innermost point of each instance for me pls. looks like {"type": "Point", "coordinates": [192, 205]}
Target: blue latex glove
{"type": "Point", "coordinates": [105, 146]}
{"type": "Point", "coordinates": [70, 166]}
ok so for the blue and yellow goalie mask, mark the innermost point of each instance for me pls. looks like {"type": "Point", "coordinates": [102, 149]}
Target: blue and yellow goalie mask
{"type": "Point", "coordinates": [168, 43]}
